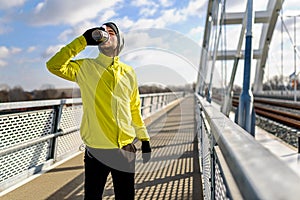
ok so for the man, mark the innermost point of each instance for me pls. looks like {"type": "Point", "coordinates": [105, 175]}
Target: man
{"type": "Point", "coordinates": [111, 110]}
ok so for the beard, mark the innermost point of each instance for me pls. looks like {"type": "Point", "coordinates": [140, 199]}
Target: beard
{"type": "Point", "coordinates": [108, 48]}
{"type": "Point", "coordinates": [108, 51]}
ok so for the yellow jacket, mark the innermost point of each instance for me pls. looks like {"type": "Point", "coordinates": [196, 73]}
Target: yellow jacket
{"type": "Point", "coordinates": [110, 96]}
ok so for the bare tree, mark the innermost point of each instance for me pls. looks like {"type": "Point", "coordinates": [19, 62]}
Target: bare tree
{"type": "Point", "coordinates": [17, 94]}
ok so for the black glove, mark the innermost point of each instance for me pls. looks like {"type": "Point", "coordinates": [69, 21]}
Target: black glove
{"type": "Point", "coordinates": [146, 151]}
{"type": "Point", "coordinates": [88, 36]}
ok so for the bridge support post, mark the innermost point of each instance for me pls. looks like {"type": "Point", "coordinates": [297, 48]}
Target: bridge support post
{"type": "Point", "coordinates": [245, 112]}
{"type": "Point", "coordinates": [57, 117]}
{"type": "Point", "coordinates": [298, 143]}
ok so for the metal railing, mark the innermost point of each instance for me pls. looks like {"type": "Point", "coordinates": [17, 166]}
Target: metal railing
{"type": "Point", "coordinates": [36, 134]}
{"type": "Point", "coordinates": [235, 165]}
{"type": "Point", "coordinates": [151, 103]}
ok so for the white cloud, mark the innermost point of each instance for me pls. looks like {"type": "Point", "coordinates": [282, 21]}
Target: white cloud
{"type": "Point", "coordinates": [39, 7]}
{"type": "Point", "coordinates": [5, 54]}
{"type": "Point", "coordinates": [291, 7]}
{"type": "Point", "coordinates": [168, 16]}
{"type": "Point", "coordinates": [84, 14]}
{"type": "Point", "coordinates": [125, 23]}
{"type": "Point", "coordinates": [66, 34]}
{"type": "Point", "coordinates": [141, 59]}
{"type": "Point", "coordinates": [173, 16]}
{"type": "Point", "coordinates": [51, 50]}
{"type": "Point", "coordinates": [159, 40]}
{"type": "Point", "coordinates": [56, 12]}
{"type": "Point", "coordinates": [195, 8]}
{"type": "Point", "coordinates": [198, 33]}
{"type": "Point", "coordinates": [147, 8]}
{"type": "Point", "coordinates": [6, 4]}
{"type": "Point", "coordinates": [15, 50]}
{"type": "Point", "coordinates": [77, 30]}
{"type": "Point", "coordinates": [107, 15]}
{"type": "Point", "coordinates": [140, 3]}
{"type": "Point", "coordinates": [146, 23]}
{"type": "Point", "coordinates": [166, 3]}
{"type": "Point", "coordinates": [4, 51]}
{"type": "Point", "coordinates": [2, 63]}
{"type": "Point", "coordinates": [31, 49]}
{"type": "Point", "coordinates": [147, 12]}
{"type": "Point", "coordinates": [153, 23]}
{"type": "Point", "coordinates": [137, 39]}
{"type": "Point", "coordinates": [196, 30]}
{"type": "Point", "coordinates": [235, 5]}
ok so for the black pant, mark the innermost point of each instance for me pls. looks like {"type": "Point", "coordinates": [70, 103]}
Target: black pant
{"type": "Point", "coordinates": [100, 162]}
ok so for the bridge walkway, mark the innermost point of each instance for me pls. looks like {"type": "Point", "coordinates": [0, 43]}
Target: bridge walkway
{"type": "Point", "coordinates": [172, 173]}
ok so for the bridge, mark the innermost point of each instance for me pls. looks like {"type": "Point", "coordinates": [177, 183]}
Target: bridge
{"type": "Point", "coordinates": [203, 146]}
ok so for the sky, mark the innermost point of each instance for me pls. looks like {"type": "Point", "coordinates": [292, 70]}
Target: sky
{"type": "Point", "coordinates": [163, 38]}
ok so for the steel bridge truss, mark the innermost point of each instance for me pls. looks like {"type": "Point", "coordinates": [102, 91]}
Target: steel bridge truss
{"type": "Point", "coordinates": [216, 18]}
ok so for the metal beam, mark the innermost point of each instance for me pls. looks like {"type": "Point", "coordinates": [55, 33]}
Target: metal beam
{"type": "Point", "coordinates": [267, 17]}
{"type": "Point", "coordinates": [232, 54]}
{"type": "Point", "coordinates": [266, 35]}
{"type": "Point", "coordinates": [202, 64]}
{"type": "Point", "coordinates": [237, 17]}
{"type": "Point", "coordinates": [227, 103]}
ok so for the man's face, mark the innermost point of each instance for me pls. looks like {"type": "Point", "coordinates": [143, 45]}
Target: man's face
{"type": "Point", "coordinates": [111, 44]}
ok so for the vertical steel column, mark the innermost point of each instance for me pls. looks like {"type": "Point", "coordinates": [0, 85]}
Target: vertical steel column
{"type": "Point", "coordinates": [295, 62]}
{"type": "Point", "coordinates": [213, 165]}
{"type": "Point", "coordinates": [142, 106]}
{"type": "Point", "coordinates": [157, 102]}
{"type": "Point", "coordinates": [151, 104]}
{"type": "Point", "coordinates": [217, 37]}
{"type": "Point", "coordinates": [246, 114]}
{"type": "Point", "coordinates": [298, 143]}
{"type": "Point", "coordinates": [57, 117]}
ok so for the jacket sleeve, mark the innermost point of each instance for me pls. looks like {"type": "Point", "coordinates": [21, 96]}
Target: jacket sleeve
{"type": "Point", "coordinates": [138, 123]}
{"type": "Point", "coordinates": [62, 65]}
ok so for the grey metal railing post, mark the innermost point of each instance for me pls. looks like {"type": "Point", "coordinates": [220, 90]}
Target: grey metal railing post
{"type": "Point", "coordinates": [55, 128]}
{"type": "Point", "coordinates": [151, 104]}
{"type": "Point", "coordinates": [298, 134]}
{"type": "Point", "coordinates": [166, 100]}
{"type": "Point", "coordinates": [213, 166]}
{"type": "Point", "coordinates": [142, 105]}
{"type": "Point", "coordinates": [161, 101]}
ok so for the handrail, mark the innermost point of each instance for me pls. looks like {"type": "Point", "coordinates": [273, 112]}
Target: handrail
{"type": "Point", "coordinates": [55, 102]}
{"type": "Point", "coordinates": [159, 94]}
{"type": "Point", "coordinates": [43, 103]}
{"type": "Point", "coordinates": [258, 173]}
{"type": "Point", "coordinates": [38, 103]}
{"type": "Point", "coordinates": [42, 132]}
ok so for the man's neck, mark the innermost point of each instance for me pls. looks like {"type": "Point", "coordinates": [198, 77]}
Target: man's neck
{"type": "Point", "coordinates": [109, 52]}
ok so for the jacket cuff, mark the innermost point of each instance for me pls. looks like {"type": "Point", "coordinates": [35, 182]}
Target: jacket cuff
{"type": "Point", "coordinates": [142, 135]}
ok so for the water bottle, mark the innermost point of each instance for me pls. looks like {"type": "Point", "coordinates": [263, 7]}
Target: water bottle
{"type": "Point", "coordinates": [100, 36]}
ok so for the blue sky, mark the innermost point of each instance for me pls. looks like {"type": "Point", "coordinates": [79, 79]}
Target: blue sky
{"type": "Point", "coordinates": [32, 31]}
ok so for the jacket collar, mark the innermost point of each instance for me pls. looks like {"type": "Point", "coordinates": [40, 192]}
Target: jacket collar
{"type": "Point", "coordinates": [107, 61]}
{"type": "Point", "coordinates": [104, 60]}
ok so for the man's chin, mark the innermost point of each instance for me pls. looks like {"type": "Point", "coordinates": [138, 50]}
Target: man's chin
{"type": "Point", "coordinates": [106, 49]}
{"type": "Point", "coordinates": [104, 46]}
